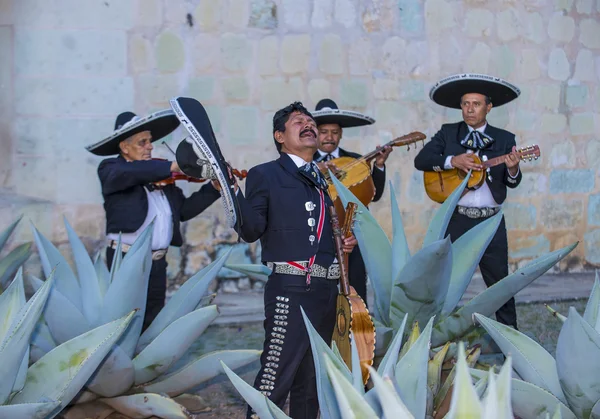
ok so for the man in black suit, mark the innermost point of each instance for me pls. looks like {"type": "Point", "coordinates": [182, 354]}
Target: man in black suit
{"type": "Point", "coordinates": [132, 201]}
{"type": "Point", "coordinates": [453, 147]}
{"type": "Point", "coordinates": [330, 124]}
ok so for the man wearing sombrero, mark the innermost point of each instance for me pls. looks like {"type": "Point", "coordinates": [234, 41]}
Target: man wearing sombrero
{"type": "Point", "coordinates": [452, 147]}
{"type": "Point", "coordinates": [330, 124]}
{"type": "Point", "coordinates": [132, 201]}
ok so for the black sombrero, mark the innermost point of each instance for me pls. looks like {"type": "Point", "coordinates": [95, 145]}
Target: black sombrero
{"type": "Point", "coordinates": [327, 112]}
{"type": "Point", "coordinates": [447, 92]}
{"type": "Point", "coordinates": [160, 124]}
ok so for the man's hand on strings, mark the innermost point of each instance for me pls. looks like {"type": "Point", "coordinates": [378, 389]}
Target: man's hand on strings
{"type": "Point", "coordinates": [465, 162]}
{"type": "Point", "coordinates": [324, 165]}
{"type": "Point", "coordinates": [382, 156]}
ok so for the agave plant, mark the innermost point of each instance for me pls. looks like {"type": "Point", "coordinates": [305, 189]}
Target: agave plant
{"type": "Point", "coordinates": [140, 365]}
{"type": "Point", "coordinates": [570, 381]}
{"type": "Point", "coordinates": [13, 260]}
{"type": "Point", "coordinates": [46, 387]}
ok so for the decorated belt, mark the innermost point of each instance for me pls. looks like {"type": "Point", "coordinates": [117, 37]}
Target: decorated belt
{"type": "Point", "coordinates": [317, 271]}
{"type": "Point", "coordinates": [156, 254]}
{"type": "Point", "coordinates": [472, 212]}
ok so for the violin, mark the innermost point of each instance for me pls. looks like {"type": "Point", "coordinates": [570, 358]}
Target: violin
{"type": "Point", "coordinates": [240, 174]}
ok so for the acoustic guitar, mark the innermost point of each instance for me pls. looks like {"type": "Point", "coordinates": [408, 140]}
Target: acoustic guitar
{"type": "Point", "coordinates": [353, 320]}
{"type": "Point", "coordinates": [439, 185]}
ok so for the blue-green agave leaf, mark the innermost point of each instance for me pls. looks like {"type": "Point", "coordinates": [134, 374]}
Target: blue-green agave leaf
{"type": "Point", "coordinates": [256, 271]}
{"type": "Point", "coordinates": [118, 259]}
{"type": "Point", "coordinates": [400, 250]}
{"type": "Point", "coordinates": [465, 400]}
{"type": "Point", "coordinates": [320, 350]}
{"type": "Point", "coordinates": [389, 400]}
{"type": "Point", "coordinates": [384, 337]}
{"type": "Point", "coordinates": [102, 275]}
{"type": "Point", "coordinates": [172, 343]}
{"type": "Point", "coordinates": [28, 410]}
{"type": "Point", "coordinates": [261, 404]}
{"type": "Point", "coordinates": [376, 251]}
{"type": "Point", "coordinates": [146, 405]}
{"type": "Point", "coordinates": [593, 305]}
{"type": "Point", "coordinates": [62, 373]}
{"type": "Point", "coordinates": [64, 320]}
{"type": "Point", "coordinates": [595, 414]}
{"type": "Point", "coordinates": [127, 292]}
{"type": "Point", "coordinates": [15, 343]}
{"type": "Point", "coordinates": [466, 254]}
{"type": "Point", "coordinates": [200, 370]}
{"type": "Point", "coordinates": [578, 363]}
{"type": "Point", "coordinates": [42, 337]}
{"type": "Point", "coordinates": [350, 402]}
{"type": "Point", "coordinates": [8, 231]}
{"type": "Point", "coordinates": [490, 300]}
{"type": "Point", "coordinates": [66, 282]}
{"type": "Point", "coordinates": [531, 361]}
{"type": "Point", "coordinates": [420, 289]}
{"type": "Point", "coordinates": [529, 400]}
{"type": "Point", "coordinates": [183, 301]}
{"type": "Point", "coordinates": [388, 363]}
{"type": "Point", "coordinates": [10, 263]}
{"type": "Point", "coordinates": [114, 376]}
{"type": "Point", "coordinates": [11, 302]}
{"type": "Point", "coordinates": [439, 223]}
{"type": "Point", "coordinates": [91, 298]}
{"type": "Point", "coordinates": [411, 374]}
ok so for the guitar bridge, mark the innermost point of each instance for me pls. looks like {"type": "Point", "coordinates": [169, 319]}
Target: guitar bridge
{"type": "Point", "coordinates": [441, 181]}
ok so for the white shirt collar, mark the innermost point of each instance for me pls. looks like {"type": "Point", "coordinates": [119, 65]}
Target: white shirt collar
{"type": "Point", "coordinates": [480, 129]}
{"type": "Point", "coordinates": [335, 153]}
{"type": "Point", "coordinates": [298, 161]}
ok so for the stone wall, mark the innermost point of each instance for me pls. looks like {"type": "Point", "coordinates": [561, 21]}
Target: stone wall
{"type": "Point", "coordinates": [69, 66]}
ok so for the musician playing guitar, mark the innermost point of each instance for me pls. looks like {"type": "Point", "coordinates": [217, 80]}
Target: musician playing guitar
{"type": "Point", "coordinates": [330, 123]}
{"type": "Point", "coordinates": [453, 147]}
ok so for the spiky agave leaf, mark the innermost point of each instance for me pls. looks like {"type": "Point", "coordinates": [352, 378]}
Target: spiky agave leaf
{"type": "Point", "coordinates": [255, 271]}
{"type": "Point", "coordinates": [465, 402]}
{"type": "Point", "coordinates": [400, 248]}
{"type": "Point", "coordinates": [389, 400]}
{"type": "Point", "coordinates": [146, 405]}
{"type": "Point", "coordinates": [28, 410]}
{"type": "Point", "coordinates": [10, 263]}
{"type": "Point", "coordinates": [556, 314]}
{"type": "Point", "coordinates": [388, 363]}
{"type": "Point", "coordinates": [114, 376]}
{"type": "Point", "coordinates": [592, 309]}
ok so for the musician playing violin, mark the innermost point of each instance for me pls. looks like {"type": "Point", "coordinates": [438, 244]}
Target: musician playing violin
{"type": "Point", "coordinates": [330, 123]}
{"type": "Point", "coordinates": [132, 199]}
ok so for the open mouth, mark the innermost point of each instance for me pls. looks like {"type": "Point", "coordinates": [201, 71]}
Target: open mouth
{"type": "Point", "coordinates": [308, 133]}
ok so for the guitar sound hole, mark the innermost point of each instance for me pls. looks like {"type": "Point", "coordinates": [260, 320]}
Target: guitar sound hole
{"type": "Point", "coordinates": [341, 323]}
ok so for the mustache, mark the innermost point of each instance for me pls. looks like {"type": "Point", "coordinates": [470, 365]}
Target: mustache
{"type": "Point", "coordinates": [313, 132]}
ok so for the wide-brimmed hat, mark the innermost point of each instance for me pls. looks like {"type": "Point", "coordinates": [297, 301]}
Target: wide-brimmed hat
{"type": "Point", "coordinates": [160, 124]}
{"type": "Point", "coordinates": [327, 112]}
{"type": "Point", "coordinates": [447, 92]}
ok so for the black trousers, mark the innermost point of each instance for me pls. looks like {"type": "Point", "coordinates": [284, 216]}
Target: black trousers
{"type": "Point", "coordinates": [157, 287]}
{"type": "Point", "coordinates": [287, 365]}
{"type": "Point", "coordinates": [494, 262]}
{"type": "Point", "coordinates": [357, 273]}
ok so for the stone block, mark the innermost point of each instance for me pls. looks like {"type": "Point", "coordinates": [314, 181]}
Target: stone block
{"type": "Point", "coordinates": [70, 13]}
{"type": "Point", "coordinates": [240, 254]}
{"type": "Point", "coordinates": [386, 89]}
{"type": "Point", "coordinates": [199, 231]}
{"type": "Point", "coordinates": [592, 153]}
{"type": "Point", "coordinates": [318, 89]}
{"type": "Point", "coordinates": [593, 210]}
{"type": "Point", "coordinates": [548, 96]}
{"type": "Point", "coordinates": [354, 93]}
{"type": "Point", "coordinates": [534, 30]}
{"type": "Point", "coordinates": [236, 52]}
{"type": "Point", "coordinates": [235, 88]}
{"type": "Point", "coordinates": [561, 28]}
{"type": "Point", "coordinates": [38, 96]}
{"type": "Point", "coordinates": [263, 14]}
{"type": "Point", "coordinates": [592, 247]}
{"type": "Point", "coordinates": [393, 57]}
{"type": "Point", "coordinates": [530, 64]}
{"type": "Point", "coordinates": [81, 189]}
{"type": "Point", "coordinates": [388, 112]}
{"type": "Point", "coordinates": [175, 15]}
{"type": "Point", "coordinates": [499, 117]}
{"type": "Point", "coordinates": [170, 53]}
{"type": "Point", "coordinates": [528, 247]}
{"type": "Point", "coordinates": [6, 81]}
{"type": "Point", "coordinates": [295, 53]}
{"type": "Point", "coordinates": [479, 23]}
{"type": "Point", "coordinates": [322, 14]}
{"type": "Point", "coordinates": [589, 33]}
{"type": "Point", "coordinates": [412, 18]}
{"type": "Point", "coordinates": [577, 96]}
{"type": "Point", "coordinates": [559, 67]}
{"type": "Point", "coordinates": [6, 12]}
{"type": "Point", "coordinates": [156, 90]}
{"type": "Point", "coordinates": [572, 181]}
{"type": "Point", "coordinates": [140, 54]}
{"type": "Point", "coordinates": [205, 53]}
{"type": "Point", "coordinates": [585, 6]}
{"type": "Point", "coordinates": [525, 120]}
{"type": "Point", "coordinates": [242, 124]}
{"type": "Point", "coordinates": [584, 66]}
{"type": "Point", "coordinates": [238, 13]}
{"type": "Point", "coordinates": [70, 52]}
{"type": "Point", "coordinates": [479, 58]}
{"type": "Point", "coordinates": [439, 16]}
{"type": "Point", "coordinates": [360, 57]}
{"type": "Point", "coordinates": [295, 13]}
{"type": "Point", "coordinates": [331, 55]}
{"type": "Point", "coordinates": [507, 25]}
{"type": "Point", "coordinates": [553, 123]}
{"type": "Point", "coordinates": [207, 15]}
{"type": "Point", "coordinates": [173, 262]}
{"type": "Point", "coordinates": [415, 191]}
{"type": "Point", "coordinates": [562, 215]}
{"type": "Point", "coordinates": [581, 123]}
{"type": "Point", "coordinates": [563, 154]}
{"type": "Point", "coordinates": [503, 61]}
{"type": "Point", "coordinates": [519, 216]}
{"type": "Point", "coordinates": [565, 5]}
{"type": "Point", "coordinates": [201, 88]}
{"type": "Point", "coordinates": [278, 92]}
{"type": "Point", "coordinates": [345, 13]}
{"type": "Point", "coordinates": [533, 184]}
{"type": "Point", "coordinates": [148, 13]}
{"type": "Point", "coordinates": [268, 56]}
{"type": "Point", "coordinates": [196, 260]}
{"type": "Point", "coordinates": [412, 90]}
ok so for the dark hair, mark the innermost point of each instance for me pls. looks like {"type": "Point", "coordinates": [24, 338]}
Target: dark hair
{"type": "Point", "coordinates": [283, 115]}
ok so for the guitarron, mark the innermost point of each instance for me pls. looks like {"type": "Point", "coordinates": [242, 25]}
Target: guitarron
{"type": "Point", "coordinates": [353, 320]}
{"type": "Point", "coordinates": [439, 185]}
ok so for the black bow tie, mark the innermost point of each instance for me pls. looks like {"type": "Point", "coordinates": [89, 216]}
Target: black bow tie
{"type": "Point", "coordinates": [311, 172]}
{"type": "Point", "coordinates": [476, 140]}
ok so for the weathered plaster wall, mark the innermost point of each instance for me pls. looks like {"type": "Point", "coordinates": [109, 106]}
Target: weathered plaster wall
{"type": "Point", "coordinates": [68, 67]}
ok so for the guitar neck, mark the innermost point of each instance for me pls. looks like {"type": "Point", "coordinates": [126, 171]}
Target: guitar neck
{"type": "Point", "coordinates": [371, 155]}
{"type": "Point", "coordinates": [496, 161]}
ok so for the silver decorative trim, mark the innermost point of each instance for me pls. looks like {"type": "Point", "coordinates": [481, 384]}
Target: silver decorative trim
{"type": "Point", "coordinates": [472, 212]}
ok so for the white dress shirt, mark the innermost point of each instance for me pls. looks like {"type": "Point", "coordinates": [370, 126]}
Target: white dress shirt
{"type": "Point", "coordinates": [159, 210]}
